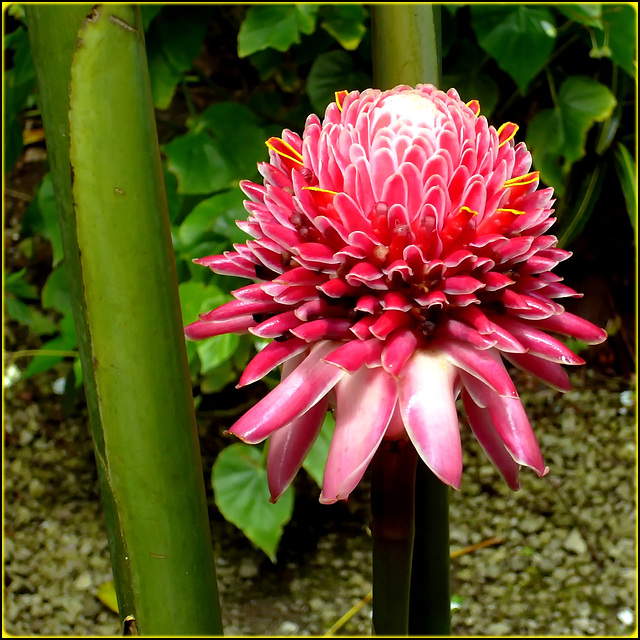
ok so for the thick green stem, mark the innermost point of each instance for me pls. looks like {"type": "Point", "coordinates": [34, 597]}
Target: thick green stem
{"type": "Point", "coordinates": [406, 42]}
{"type": "Point", "coordinates": [392, 503]}
{"type": "Point", "coordinates": [116, 234]}
{"type": "Point", "coordinates": [430, 607]}
{"type": "Point", "coordinates": [406, 50]}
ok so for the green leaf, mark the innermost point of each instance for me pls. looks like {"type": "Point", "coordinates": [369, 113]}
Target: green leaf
{"type": "Point", "coordinates": [17, 310]}
{"type": "Point", "coordinates": [149, 12]}
{"type": "Point", "coordinates": [214, 351]}
{"type": "Point", "coordinates": [545, 140]}
{"type": "Point", "coordinates": [198, 297]}
{"type": "Point", "coordinates": [218, 214]}
{"type": "Point", "coordinates": [40, 324]}
{"type": "Point", "coordinates": [275, 26]}
{"type": "Point", "coordinates": [238, 135]}
{"type": "Point", "coordinates": [316, 459]}
{"type": "Point", "coordinates": [198, 163]}
{"type": "Point", "coordinates": [557, 137]}
{"type": "Point", "coordinates": [217, 379]}
{"type": "Point", "coordinates": [16, 290]}
{"type": "Point", "coordinates": [582, 102]}
{"type": "Point", "coordinates": [66, 341]}
{"type": "Point", "coordinates": [174, 199]}
{"type": "Point", "coordinates": [18, 83]}
{"type": "Point", "coordinates": [616, 37]}
{"type": "Point", "coordinates": [627, 174]}
{"type": "Point", "coordinates": [16, 285]}
{"type": "Point", "coordinates": [55, 293]}
{"type": "Point", "coordinates": [107, 595]}
{"type": "Point", "coordinates": [333, 71]}
{"type": "Point", "coordinates": [42, 217]}
{"type": "Point", "coordinates": [345, 23]}
{"type": "Point", "coordinates": [174, 40]}
{"type": "Point", "coordinates": [620, 24]}
{"type": "Point", "coordinates": [241, 492]}
{"type": "Point", "coordinates": [586, 14]}
{"type": "Point", "coordinates": [520, 38]}
{"type": "Point", "coordinates": [583, 202]}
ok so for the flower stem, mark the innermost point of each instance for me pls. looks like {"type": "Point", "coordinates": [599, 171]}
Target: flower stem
{"type": "Point", "coordinates": [406, 50]}
{"type": "Point", "coordinates": [430, 605]}
{"type": "Point", "coordinates": [406, 44]}
{"type": "Point", "coordinates": [392, 528]}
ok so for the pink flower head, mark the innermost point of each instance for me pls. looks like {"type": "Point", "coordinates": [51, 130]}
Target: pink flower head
{"type": "Point", "coordinates": [400, 255]}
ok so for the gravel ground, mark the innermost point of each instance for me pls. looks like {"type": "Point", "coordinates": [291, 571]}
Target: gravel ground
{"type": "Point", "coordinates": [565, 564]}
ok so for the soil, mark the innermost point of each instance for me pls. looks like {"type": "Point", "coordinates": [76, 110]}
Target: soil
{"type": "Point", "coordinates": [563, 562]}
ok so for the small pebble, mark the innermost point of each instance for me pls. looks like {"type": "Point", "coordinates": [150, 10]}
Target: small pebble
{"type": "Point", "coordinates": [575, 543]}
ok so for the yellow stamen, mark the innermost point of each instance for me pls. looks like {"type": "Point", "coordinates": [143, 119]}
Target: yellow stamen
{"type": "Point", "coordinates": [471, 211]}
{"type": "Point", "coordinates": [519, 181]}
{"type": "Point", "coordinates": [515, 212]}
{"type": "Point", "coordinates": [333, 193]}
{"type": "Point", "coordinates": [340, 96]}
{"type": "Point", "coordinates": [295, 155]}
{"type": "Point", "coordinates": [511, 130]}
{"type": "Point", "coordinates": [474, 105]}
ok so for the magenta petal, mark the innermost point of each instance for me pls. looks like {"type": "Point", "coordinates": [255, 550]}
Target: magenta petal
{"type": "Point", "coordinates": [323, 329]}
{"type": "Point", "coordinates": [289, 446]}
{"type": "Point", "coordinates": [428, 409]}
{"type": "Point", "coordinates": [388, 322]}
{"type": "Point", "coordinates": [252, 293]}
{"type": "Point", "coordinates": [274, 354]}
{"type": "Point", "coordinates": [364, 405]}
{"type": "Point", "coordinates": [310, 382]}
{"type": "Point", "coordinates": [227, 266]}
{"type": "Point", "coordinates": [485, 365]}
{"type": "Point", "coordinates": [276, 325]}
{"type": "Point", "coordinates": [488, 437]}
{"type": "Point", "coordinates": [202, 329]}
{"type": "Point", "coordinates": [549, 372]}
{"type": "Point", "coordinates": [356, 353]}
{"type": "Point", "coordinates": [569, 324]}
{"type": "Point", "coordinates": [299, 276]}
{"type": "Point", "coordinates": [314, 252]}
{"type": "Point", "coordinates": [399, 347]}
{"type": "Point", "coordinates": [236, 308]}
{"type": "Point", "coordinates": [453, 328]}
{"type": "Point", "coordinates": [541, 344]}
{"type": "Point", "coordinates": [461, 284]}
{"type": "Point", "coordinates": [510, 421]}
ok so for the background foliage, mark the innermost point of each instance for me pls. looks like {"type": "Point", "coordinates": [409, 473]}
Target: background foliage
{"type": "Point", "coordinates": [225, 78]}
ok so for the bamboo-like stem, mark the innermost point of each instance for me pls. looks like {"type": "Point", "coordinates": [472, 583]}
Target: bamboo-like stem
{"type": "Point", "coordinates": [117, 244]}
{"type": "Point", "coordinates": [406, 50]}
{"type": "Point", "coordinates": [392, 503]}
{"type": "Point", "coordinates": [406, 42]}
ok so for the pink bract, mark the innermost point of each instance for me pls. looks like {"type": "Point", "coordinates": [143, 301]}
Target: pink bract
{"type": "Point", "coordinates": [401, 256]}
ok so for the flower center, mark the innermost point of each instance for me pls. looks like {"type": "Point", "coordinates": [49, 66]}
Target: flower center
{"type": "Point", "coordinates": [414, 107]}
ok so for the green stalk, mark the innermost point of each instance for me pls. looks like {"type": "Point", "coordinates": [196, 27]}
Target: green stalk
{"type": "Point", "coordinates": [112, 208]}
{"type": "Point", "coordinates": [430, 607]}
{"type": "Point", "coordinates": [406, 50]}
{"type": "Point", "coordinates": [392, 522]}
{"type": "Point", "coordinates": [406, 42]}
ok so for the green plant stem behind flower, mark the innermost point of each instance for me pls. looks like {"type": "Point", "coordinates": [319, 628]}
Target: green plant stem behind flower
{"type": "Point", "coordinates": [406, 42]}
{"type": "Point", "coordinates": [117, 241]}
{"type": "Point", "coordinates": [406, 50]}
{"type": "Point", "coordinates": [392, 521]}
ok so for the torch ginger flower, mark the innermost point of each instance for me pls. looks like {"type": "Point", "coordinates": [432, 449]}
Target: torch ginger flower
{"type": "Point", "coordinates": [400, 255]}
